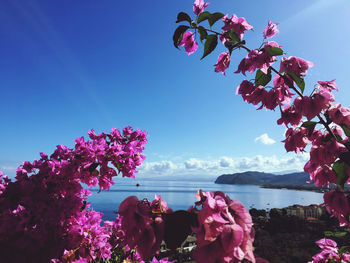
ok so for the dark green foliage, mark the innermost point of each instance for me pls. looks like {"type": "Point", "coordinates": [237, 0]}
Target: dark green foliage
{"type": "Point", "coordinates": [261, 78]}
{"type": "Point", "coordinates": [182, 16]}
{"type": "Point", "coordinates": [275, 51]}
{"type": "Point", "coordinates": [178, 34]}
{"type": "Point", "coordinates": [298, 80]}
{"type": "Point", "coordinates": [210, 44]}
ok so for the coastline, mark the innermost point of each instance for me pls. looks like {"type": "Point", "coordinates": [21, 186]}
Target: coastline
{"type": "Point", "coordinates": [294, 187]}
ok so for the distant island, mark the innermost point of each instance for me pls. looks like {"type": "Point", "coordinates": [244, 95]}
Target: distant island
{"type": "Point", "coordinates": [296, 181]}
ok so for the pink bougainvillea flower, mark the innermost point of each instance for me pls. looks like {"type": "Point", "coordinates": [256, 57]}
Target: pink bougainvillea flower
{"type": "Point", "coordinates": [225, 232]}
{"type": "Point", "coordinates": [329, 252]}
{"type": "Point", "coordinates": [239, 24]}
{"type": "Point", "coordinates": [255, 95]}
{"type": "Point", "coordinates": [223, 62]}
{"type": "Point", "coordinates": [189, 43]}
{"type": "Point", "coordinates": [251, 62]}
{"type": "Point", "coordinates": [50, 214]}
{"type": "Point", "coordinates": [257, 59]}
{"type": "Point", "coordinates": [295, 65]}
{"type": "Point", "coordinates": [336, 202]}
{"type": "Point", "coordinates": [163, 260]}
{"type": "Point", "coordinates": [312, 106]}
{"type": "Point", "coordinates": [270, 30]}
{"type": "Point", "coordinates": [143, 224]}
{"type": "Point", "coordinates": [199, 6]}
{"type": "Point", "coordinates": [325, 149]}
{"type": "Point", "coordinates": [327, 85]}
{"type": "Point", "coordinates": [340, 115]}
{"type": "Point", "coordinates": [323, 176]}
{"type": "Point", "coordinates": [326, 243]}
{"type": "Point", "coordinates": [290, 116]}
{"type": "Point", "coordinates": [296, 139]}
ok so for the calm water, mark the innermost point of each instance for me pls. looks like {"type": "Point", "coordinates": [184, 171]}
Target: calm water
{"type": "Point", "coordinates": [181, 195]}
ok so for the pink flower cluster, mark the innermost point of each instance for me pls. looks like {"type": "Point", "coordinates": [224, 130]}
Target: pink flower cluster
{"type": "Point", "coordinates": [143, 224]}
{"type": "Point", "coordinates": [329, 253]}
{"type": "Point", "coordinates": [337, 204]}
{"type": "Point", "coordinates": [269, 99]}
{"type": "Point", "coordinates": [270, 30]}
{"type": "Point", "coordinates": [225, 230]}
{"type": "Point", "coordinates": [189, 43]}
{"type": "Point", "coordinates": [238, 24]}
{"type": "Point", "coordinates": [198, 6]}
{"type": "Point", "coordinates": [121, 249]}
{"type": "Point", "coordinates": [44, 213]}
{"type": "Point", "coordinates": [258, 59]}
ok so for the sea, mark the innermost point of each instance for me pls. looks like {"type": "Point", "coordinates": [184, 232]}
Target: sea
{"type": "Point", "coordinates": [180, 195]}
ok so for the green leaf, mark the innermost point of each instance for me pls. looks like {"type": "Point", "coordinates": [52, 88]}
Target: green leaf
{"type": "Point", "coordinates": [275, 51]}
{"type": "Point", "coordinates": [232, 34]}
{"type": "Point", "coordinates": [182, 16]}
{"type": "Point", "coordinates": [261, 78]}
{"type": "Point", "coordinates": [328, 233]}
{"type": "Point", "coordinates": [310, 125]}
{"type": "Point", "coordinates": [210, 45]}
{"type": "Point", "coordinates": [343, 249]}
{"type": "Point", "coordinates": [203, 16]}
{"type": "Point", "coordinates": [346, 130]}
{"type": "Point", "coordinates": [340, 234]}
{"type": "Point", "coordinates": [93, 167]}
{"type": "Point", "coordinates": [202, 33]}
{"type": "Point", "coordinates": [178, 34]}
{"type": "Point", "coordinates": [215, 17]}
{"type": "Point", "coordinates": [117, 165]}
{"type": "Point", "coordinates": [340, 169]}
{"type": "Point", "coordinates": [298, 80]}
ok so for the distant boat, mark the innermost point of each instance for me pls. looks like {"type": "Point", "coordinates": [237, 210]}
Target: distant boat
{"type": "Point", "coordinates": [137, 184]}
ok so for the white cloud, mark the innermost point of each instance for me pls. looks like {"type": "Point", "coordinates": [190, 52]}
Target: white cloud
{"type": "Point", "coordinates": [264, 139]}
{"type": "Point", "coordinates": [158, 167]}
{"type": "Point", "coordinates": [195, 167]}
{"type": "Point", "coordinates": [193, 164]}
{"type": "Point", "coordinates": [226, 162]}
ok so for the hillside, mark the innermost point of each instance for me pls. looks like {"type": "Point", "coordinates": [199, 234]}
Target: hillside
{"type": "Point", "coordinates": [264, 179]}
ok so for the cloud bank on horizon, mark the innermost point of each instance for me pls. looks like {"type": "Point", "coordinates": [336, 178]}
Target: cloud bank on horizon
{"type": "Point", "coordinates": [225, 164]}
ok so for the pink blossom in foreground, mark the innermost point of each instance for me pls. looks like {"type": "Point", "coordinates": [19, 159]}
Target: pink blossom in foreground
{"type": "Point", "coordinates": [223, 62]}
{"type": "Point", "coordinates": [295, 65]}
{"type": "Point", "coordinates": [44, 213]}
{"type": "Point", "coordinates": [329, 253]}
{"type": "Point", "coordinates": [257, 59]}
{"type": "Point", "coordinates": [163, 260]}
{"type": "Point", "coordinates": [323, 176]}
{"type": "Point", "coordinates": [189, 43]}
{"type": "Point", "coordinates": [327, 85]}
{"type": "Point", "coordinates": [270, 30]}
{"type": "Point", "coordinates": [326, 149]}
{"type": "Point", "coordinates": [290, 116]}
{"type": "Point", "coordinates": [252, 94]}
{"type": "Point", "coordinates": [312, 106]}
{"type": "Point", "coordinates": [225, 232]}
{"type": "Point", "coordinates": [239, 24]}
{"type": "Point", "coordinates": [337, 204]}
{"type": "Point", "coordinates": [143, 224]}
{"type": "Point", "coordinates": [198, 6]}
{"type": "Point", "coordinates": [339, 115]}
{"type": "Point", "coordinates": [281, 83]}
{"type": "Point", "coordinates": [296, 139]}
{"type": "Point", "coordinates": [245, 89]}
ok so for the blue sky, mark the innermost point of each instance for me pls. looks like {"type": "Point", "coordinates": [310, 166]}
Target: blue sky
{"type": "Point", "coordinates": [69, 66]}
